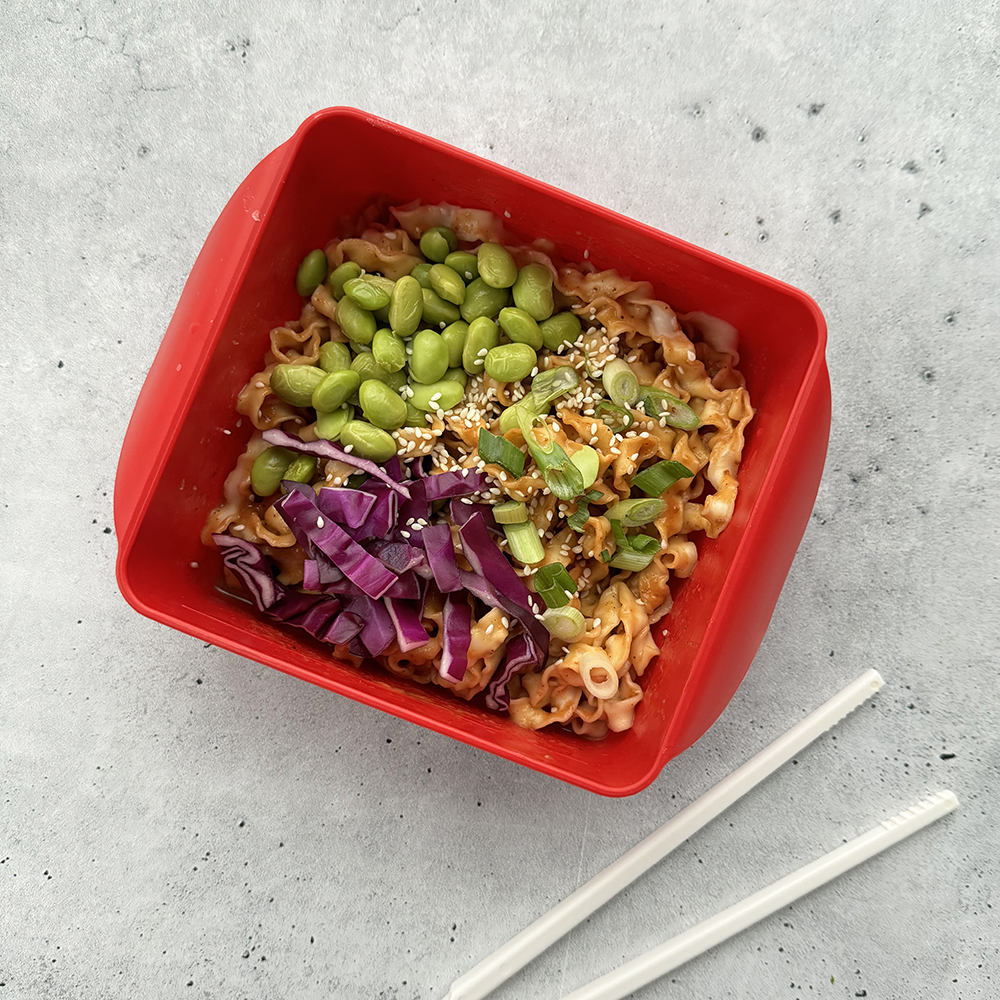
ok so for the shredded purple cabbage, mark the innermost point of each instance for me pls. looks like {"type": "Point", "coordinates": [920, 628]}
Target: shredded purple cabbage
{"type": "Point", "coordinates": [446, 485]}
{"type": "Point", "coordinates": [249, 565]}
{"type": "Point", "coordinates": [520, 654]}
{"type": "Point", "coordinates": [346, 507]}
{"type": "Point", "coordinates": [410, 632]}
{"type": "Point", "coordinates": [440, 551]}
{"type": "Point", "coordinates": [456, 624]}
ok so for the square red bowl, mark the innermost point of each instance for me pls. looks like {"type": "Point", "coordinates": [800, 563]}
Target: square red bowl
{"type": "Point", "coordinates": [182, 440]}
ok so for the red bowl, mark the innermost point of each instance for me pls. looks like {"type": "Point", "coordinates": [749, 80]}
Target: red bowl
{"type": "Point", "coordinates": [182, 440]}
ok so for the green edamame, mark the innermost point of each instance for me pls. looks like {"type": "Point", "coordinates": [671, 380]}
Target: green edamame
{"type": "Point", "coordinates": [436, 311]}
{"type": "Point", "coordinates": [481, 338]}
{"type": "Point", "coordinates": [437, 243]}
{"type": "Point", "coordinates": [311, 273]}
{"type": "Point", "coordinates": [483, 300]}
{"type": "Point", "coordinates": [429, 360]}
{"type": "Point", "coordinates": [368, 293]}
{"type": "Point", "coordinates": [394, 380]}
{"type": "Point", "coordinates": [302, 469]}
{"type": "Point", "coordinates": [295, 383]}
{"type": "Point", "coordinates": [335, 390]}
{"type": "Point", "coordinates": [520, 327]}
{"type": "Point", "coordinates": [510, 362]}
{"type": "Point", "coordinates": [329, 425]}
{"type": "Point", "coordinates": [367, 441]}
{"type": "Point", "coordinates": [406, 306]}
{"type": "Point", "coordinates": [414, 417]}
{"type": "Point", "coordinates": [454, 336]}
{"type": "Point", "coordinates": [340, 276]}
{"type": "Point", "coordinates": [532, 291]}
{"type": "Point", "coordinates": [441, 395]}
{"type": "Point", "coordinates": [268, 470]}
{"type": "Point", "coordinates": [388, 350]}
{"type": "Point", "coordinates": [422, 273]}
{"type": "Point", "coordinates": [447, 283]}
{"type": "Point", "coordinates": [459, 375]}
{"type": "Point", "coordinates": [334, 356]}
{"type": "Point", "coordinates": [464, 264]}
{"type": "Point", "coordinates": [367, 367]}
{"type": "Point", "coordinates": [496, 266]}
{"type": "Point", "coordinates": [381, 406]}
{"type": "Point", "coordinates": [563, 328]}
{"type": "Point", "coordinates": [357, 324]}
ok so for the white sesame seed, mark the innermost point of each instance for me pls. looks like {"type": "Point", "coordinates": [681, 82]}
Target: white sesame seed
{"type": "Point", "coordinates": [320, 522]}
{"type": "Point", "coordinates": [258, 385]}
{"type": "Point", "coordinates": [405, 534]}
{"type": "Point", "coordinates": [193, 565]}
{"type": "Point", "coordinates": [224, 431]}
{"type": "Point", "coordinates": [348, 448]}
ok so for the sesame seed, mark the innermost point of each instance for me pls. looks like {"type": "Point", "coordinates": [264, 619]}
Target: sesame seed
{"type": "Point", "coordinates": [505, 622]}
{"type": "Point", "coordinates": [348, 448]}
{"type": "Point", "coordinates": [258, 385]}
{"type": "Point", "coordinates": [405, 534]}
{"type": "Point", "coordinates": [224, 431]}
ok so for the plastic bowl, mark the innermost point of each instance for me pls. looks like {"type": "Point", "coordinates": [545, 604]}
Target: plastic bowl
{"type": "Point", "coordinates": [182, 440]}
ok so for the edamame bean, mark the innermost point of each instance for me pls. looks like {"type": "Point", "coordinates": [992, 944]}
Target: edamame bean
{"type": "Point", "coordinates": [454, 337]}
{"type": "Point", "coordinates": [406, 307]}
{"type": "Point", "coordinates": [429, 360]}
{"type": "Point", "coordinates": [483, 300]}
{"type": "Point", "coordinates": [368, 294]}
{"type": "Point", "coordinates": [414, 417]}
{"type": "Point", "coordinates": [464, 264]}
{"type": "Point", "coordinates": [533, 291]}
{"type": "Point", "coordinates": [367, 367]}
{"type": "Point", "coordinates": [447, 283]}
{"type": "Point", "coordinates": [459, 375]}
{"type": "Point", "coordinates": [510, 362]}
{"type": "Point", "coordinates": [388, 350]}
{"type": "Point", "coordinates": [381, 406]}
{"type": "Point", "coordinates": [441, 395]}
{"type": "Point", "coordinates": [563, 328]}
{"type": "Point", "coordinates": [268, 470]}
{"type": "Point", "coordinates": [436, 310]}
{"type": "Point", "coordinates": [422, 273]}
{"type": "Point", "coordinates": [356, 323]}
{"type": "Point", "coordinates": [295, 383]}
{"type": "Point", "coordinates": [335, 390]}
{"type": "Point", "coordinates": [438, 242]}
{"type": "Point", "coordinates": [394, 380]}
{"type": "Point", "coordinates": [312, 272]}
{"type": "Point", "coordinates": [329, 425]}
{"type": "Point", "coordinates": [334, 356]}
{"type": "Point", "coordinates": [496, 266]}
{"type": "Point", "coordinates": [482, 337]}
{"type": "Point", "coordinates": [520, 327]}
{"type": "Point", "coordinates": [341, 275]}
{"type": "Point", "coordinates": [367, 441]}
{"type": "Point", "coordinates": [302, 469]}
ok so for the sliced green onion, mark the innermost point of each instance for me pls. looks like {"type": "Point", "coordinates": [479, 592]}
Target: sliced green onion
{"type": "Point", "coordinates": [578, 519]}
{"type": "Point", "coordinates": [554, 585]}
{"type": "Point", "coordinates": [605, 555]}
{"type": "Point", "coordinates": [508, 419]}
{"type": "Point", "coordinates": [638, 555]}
{"type": "Point", "coordinates": [561, 476]}
{"type": "Point", "coordinates": [633, 513]}
{"type": "Point", "coordinates": [525, 545]}
{"type": "Point", "coordinates": [616, 417]}
{"type": "Point", "coordinates": [662, 405]}
{"type": "Point", "coordinates": [499, 451]}
{"type": "Point", "coordinates": [657, 479]}
{"type": "Point", "coordinates": [591, 495]}
{"type": "Point", "coordinates": [567, 624]}
{"type": "Point", "coordinates": [511, 512]}
{"type": "Point", "coordinates": [588, 462]}
{"type": "Point", "coordinates": [620, 382]}
{"type": "Point", "coordinates": [553, 383]}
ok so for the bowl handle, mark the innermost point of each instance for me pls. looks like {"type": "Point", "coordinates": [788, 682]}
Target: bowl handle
{"type": "Point", "coordinates": [213, 270]}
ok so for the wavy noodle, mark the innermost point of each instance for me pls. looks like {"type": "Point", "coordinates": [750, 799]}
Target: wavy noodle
{"type": "Point", "coordinates": [591, 685]}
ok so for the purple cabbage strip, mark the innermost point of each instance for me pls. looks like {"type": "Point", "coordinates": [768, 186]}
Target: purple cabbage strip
{"type": "Point", "coordinates": [410, 632]}
{"type": "Point", "coordinates": [345, 506]}
{"type": "Point", "coordinates": [378, 630]}
{"type": "Point", "coordinates": [461, 512]}
{"type": "Point", "coordinates": [383, 517]}
{"type": "Point", "coordinates": [520, 654]}
{"type": "Point", "coordinates": [416, 507]}
{"type": "Point", "coordinates": [346, 626]}
{"type": "Point", "coordinates": [325, 449]}
{"type": "Point", "coordinates": [490, 563]}
{"type": "Point", "coordinates": [491, 596]}
{"type": "Point", "coordinates": [446, 485]}
{"type": "Point", "coordinates": [316, 532]}
{"type": "Point", "coordinates": [249, 564]}
{"type": "Point", "coordinates": [456, 624]}
{"type": "Point", "coordinates": [400, 557]}
{"type": "Point", "coordinates": [440, 551]}
{"type": "Point", "coordinates": [406, 588]}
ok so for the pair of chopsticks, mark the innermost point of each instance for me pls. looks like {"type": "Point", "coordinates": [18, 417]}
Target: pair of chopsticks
{"type": "Point", "coordinates": [576, 907]}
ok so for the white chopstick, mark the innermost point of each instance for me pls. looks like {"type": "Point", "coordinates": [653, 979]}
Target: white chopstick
{"type": "Point", "coordinates": [658, 961]}
{"type": "Point", "coordinates": [575, 908]}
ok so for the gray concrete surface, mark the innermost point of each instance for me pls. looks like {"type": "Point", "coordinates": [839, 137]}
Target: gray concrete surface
{"type": "Point", "coordinates": [177, 822]}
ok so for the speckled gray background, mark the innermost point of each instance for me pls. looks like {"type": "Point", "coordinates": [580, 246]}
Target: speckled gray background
{"type": "Point", "coordinates": [177, 822]}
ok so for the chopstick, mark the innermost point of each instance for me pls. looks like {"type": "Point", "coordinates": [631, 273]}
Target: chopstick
{"type": "Point", "coordinates": [576, 907]}
{"type": "Point", "coordinates": [660, 960]}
